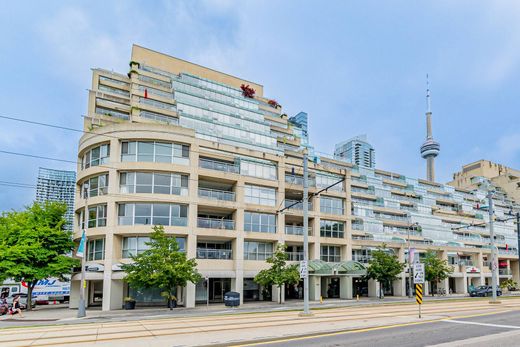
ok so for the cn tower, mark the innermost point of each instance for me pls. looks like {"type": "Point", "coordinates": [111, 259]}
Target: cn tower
{"type": "Point", "coordinates": [430, 148]}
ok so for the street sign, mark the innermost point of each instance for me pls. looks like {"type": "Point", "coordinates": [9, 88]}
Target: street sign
{"type": "Point", "coordinates": [418, 273]}
{"type": "Point", "coordinates": [304, 272]}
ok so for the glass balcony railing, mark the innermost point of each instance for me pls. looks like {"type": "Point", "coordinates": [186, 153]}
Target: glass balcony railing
{"type": "Point", "coordinates": [218, 165]}
{"type": "Point", "coordinates": [298, 180]}
{"type": "Point", "coordinates": [504, 272]}
{"type": "Point", "coordinates": [295, 256]}
{"type": "Point", "coordinates": [215, 194]}
{"type": "Point", "coordinates": [357, 226]}
{"type": "Point", "coordinates": [206, 253]}
{"type": "Point", "coordinates": [390, 216]}
{"type": "Point", "coordinates": [213, 223]}
{"type": "Point", "coordinates": [296, 230]}
{"type": "Point", "coordinates": [361, 258]}
{"type": "Point", "coordinates": [296, 204]}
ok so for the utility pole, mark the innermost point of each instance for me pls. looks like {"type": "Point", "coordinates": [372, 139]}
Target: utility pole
{"type": "Point", "coordinates": [305, 231]}
{"type": "Point", "coordinates": [494, 265]}
{"type": "Point", "coordinates": [410, 282]}
{"type": "Point", "coordinates": [81, 308]}
{"type": "Point", "coordinates": [518, 238]}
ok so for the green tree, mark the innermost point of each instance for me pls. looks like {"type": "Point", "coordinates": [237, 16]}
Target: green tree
{"type": "Point", "coordinates": [384, 268]}
{"type": "Point", "coordinates": [162, 266]}
{"type": "Point", "coordinates": [509, 284]}
{"type": "Point", "coordinates": [435, 268]}
{"type": "Point", "coordinates": [279, 273]}
{"type": "Point", "coordinates": [34, 246]}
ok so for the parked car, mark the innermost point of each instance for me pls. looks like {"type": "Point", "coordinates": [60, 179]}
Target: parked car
{"type": "Point", "coordinates": [484, 291]}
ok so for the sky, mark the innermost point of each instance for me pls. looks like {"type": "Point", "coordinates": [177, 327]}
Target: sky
{"type": "Point", "coordinates": [356, 67]}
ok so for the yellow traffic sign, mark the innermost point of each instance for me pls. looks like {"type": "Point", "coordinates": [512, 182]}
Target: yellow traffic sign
{"type": "Point", "coordinates": [419, 293]}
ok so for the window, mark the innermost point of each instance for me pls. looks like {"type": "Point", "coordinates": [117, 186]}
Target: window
{"type": "Point", "coordinates": [257, 250]}
{"type": "Point", "coordinates": [96, 249]}
{"type": "Point", "coordinates": [158, 152]}
{"type": "Point", "coordinates": [133, 246]}
{"type": "Point", "coordinates": [331, 205]}
{"type": "Point", "coordinates": [331, 254]}
{"type": "Point", "coordinates": [153, 182]}
{"type": "Point", "coordinates": [256, 169]}
{"type": "Point", "coordinates": [260, 195]}
{"type": "Point", "coordinates": [97, 217]}
{"type": "Point", "coordinates": [260, 222]}
{"type": "Point", "coordinates": [153, 214]}
{"type": "Point", "coordinates": [96, 156]}
{"type": "Point", "coordinates": [330, 228]}
{"type": "Point", "coordinates": [98, 185]}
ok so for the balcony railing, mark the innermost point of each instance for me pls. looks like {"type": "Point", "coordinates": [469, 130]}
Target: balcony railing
{"type": "Point", "coordinates": [295, 256]}
{"type": "Point", "coordinates": [206, 253]}
{"type": "Point", "coordinates": [213, 223]}
{"type": "Point", "coordinates": [361, 258]}
{"type": "Point", "coordinates": [296, 230]}
{"type": "Point", "coordinates": [504, 272]}
{"type": "Point", "coordinates": [508, 251]}
{"type": "Point", "coordinates": [218, 165]}
{"type": "Point", "coordinates": [357, 226]}
{"type": "Point", "coordinates": [296, 204]}
{"type": "Point", "coordinates": [390, 216]}
{"type": "Point", "coordinates": [215, 194]}
{"type": "Point", "coordinates": [362, 190]}
{"type": "Point", "coordinates": [298, 180]}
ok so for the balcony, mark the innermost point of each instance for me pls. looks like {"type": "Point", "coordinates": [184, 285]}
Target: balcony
{"type": "Point", "coordinates": [361, 258]}
{"type": "Point", "coordinates": [298, 180]}
{"type": "Point", "coordinates": [215, 194]}
{"type": "Point", "coordinates": [390, 217]}
{"type": "Point", "coordinates": [295, 256]}
{"type": "Point", "coordinates": [213, 223]}
{"type": "Point", "coordinates": [296, 205]}
{"type": "Point", "coordinates": [358, 226]}
{"type": "Point", "coordinates": [296, 230]}
{"type": "Point", "coordinates": [206, 253]}
{"type": "Point", "coordinates": [504, 272]}
{"type": "Point", "coordinates": [218, 165]}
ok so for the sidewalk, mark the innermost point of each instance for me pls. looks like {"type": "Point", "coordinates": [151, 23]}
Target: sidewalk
{"type": "Point", "coordinates": [61, 314]}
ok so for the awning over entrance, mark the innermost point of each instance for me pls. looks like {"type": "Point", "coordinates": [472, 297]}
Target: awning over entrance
{"type": "Point", "coordinates": [322, 268]}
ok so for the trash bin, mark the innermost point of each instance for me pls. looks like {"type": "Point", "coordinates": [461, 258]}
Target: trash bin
{"type": "Point", "coordinates": [232, 299]}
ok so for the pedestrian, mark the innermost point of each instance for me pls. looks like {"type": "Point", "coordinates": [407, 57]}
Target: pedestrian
{"type": "Point", "coordinates": [16, 306]}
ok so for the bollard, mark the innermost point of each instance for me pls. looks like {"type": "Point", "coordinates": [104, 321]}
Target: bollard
{"type": "Point", "coordinates": [357, 297]}
{"type": "Point", "coordinates": [321, 299]}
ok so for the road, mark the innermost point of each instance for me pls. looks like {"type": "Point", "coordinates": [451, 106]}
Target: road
{"type": "Point", "coordinates": [377, 325]}
{"type": "Point", "coordinates": [471, 331]}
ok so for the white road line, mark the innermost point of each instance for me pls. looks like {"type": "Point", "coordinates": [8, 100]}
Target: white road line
{"type": "Point", "coordinates": [484, 324]}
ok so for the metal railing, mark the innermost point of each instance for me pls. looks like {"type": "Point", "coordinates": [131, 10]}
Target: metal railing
{"type": "Point", "coordinates": [213, 223]}
{"type": "Point", "coordinates": [218, 165]}
{"type": "Point", "coordinates": [296, 204]}
{"type": "Point", "coordinates": [296, 230]}
{"type": "Point", "coordinates": [216, 194]}
{"type": "Point", "coordinates": [206, 253]}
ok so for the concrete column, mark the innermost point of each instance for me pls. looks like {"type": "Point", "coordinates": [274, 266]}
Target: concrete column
{"type": "Point", "coordinates": [116, 295]}
{"type": "Point", "coordinates": [426, 288]}
{"type": "Point", "coordinates": [314, 288]}
{"type": "Point", "coordinates": [373, 288]}
{"type": "Point", "coordinates": [460, 285]}
{"type": "Point", "coordinates": [237, 285]}
{"type": "Point", "coordinates": [399, 286]}
{"type": "Point", "coordinates": [189, 297]}
{"type": "Point", "coordinates": [345, 287]}
{"type": "Point", "coordinates": [276, 294]}
{"type": "Point", "coordinates": [107, 304]}
{"type": "Point", "coordinates": [74, 294]}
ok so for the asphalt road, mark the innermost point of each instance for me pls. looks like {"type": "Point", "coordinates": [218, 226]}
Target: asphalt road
{"type": "Point", "coordinates": [449, 332]}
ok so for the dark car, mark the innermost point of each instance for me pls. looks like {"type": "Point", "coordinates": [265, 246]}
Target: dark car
{"type": "Point", "coordinates": [484, 291]}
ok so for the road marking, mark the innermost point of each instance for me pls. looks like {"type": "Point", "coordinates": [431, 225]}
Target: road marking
{"type": "Point", "coordinates": [484, 324]}
{"type": "Point", "coordinates": [362, 330]}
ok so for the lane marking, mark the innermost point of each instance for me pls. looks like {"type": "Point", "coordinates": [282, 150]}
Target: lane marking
{"type": "Point", "coordinates": [336, 333]}
{"type": "Point", "coordinates": [484, 324]}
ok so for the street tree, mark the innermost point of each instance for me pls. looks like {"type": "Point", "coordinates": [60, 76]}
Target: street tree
{"type": "Point", "coordinates": [435, 268]}
{"type": "Point", "coordinates": [163, 265]}
{"type": "Point", "coordinates": [279, 273]}
{"type": "Point", "coordinates": [384, 267]}
{"type": "Point", "coordinates": [34, 245]}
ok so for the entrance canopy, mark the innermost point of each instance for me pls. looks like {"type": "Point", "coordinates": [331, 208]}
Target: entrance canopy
{"type": "Point", "coordinates": [321, 268]}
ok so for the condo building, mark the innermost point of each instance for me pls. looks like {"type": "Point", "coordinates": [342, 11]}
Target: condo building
{"type": "Point", "coordinates": [212, 159]}
{"type": "Point", "coordinates": [60, 186]}
{"type": "Point", "coordinates": [357, 151]}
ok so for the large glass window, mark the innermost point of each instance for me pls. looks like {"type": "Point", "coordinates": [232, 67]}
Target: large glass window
{"type": "Point", "coordinates": [96, 156]}
{"type": "Point", "coordinates": [259, 222]}
{"type": "Point", "coordinates": [97, 185]}
{"type": "Point", "coordinates": [152, 151]}
{"type": "Point", "coordinates": [260, 195]}
{"type": "Point", "coordinates": [255, 169]}
{"type": "Point", "coordinates": [257, 250]}
{"type": "Point", "coordinates": [135, 245]}
{"type": "Point", "coordinates": [153, 182]}
{"type": "Point", "coordinates": [97, 216]}
{"type": "Point", "coordinates": [331, 228]}
{"type": "Point", "coordinates": [331, 205]}
{"type": "Point", "coordinates": [96, 249]}
{"type": "Point", "coordinates": [153, 214]}
{"type": "Point", "coordinates": [331, 254]}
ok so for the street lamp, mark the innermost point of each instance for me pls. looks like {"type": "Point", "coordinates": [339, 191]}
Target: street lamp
{"type": "Point", "coordinates": [486, 184]}
{"type": "Point", "coordinates": [410, 277]}
{"type": "Point", "coordinates": [81, 308]}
